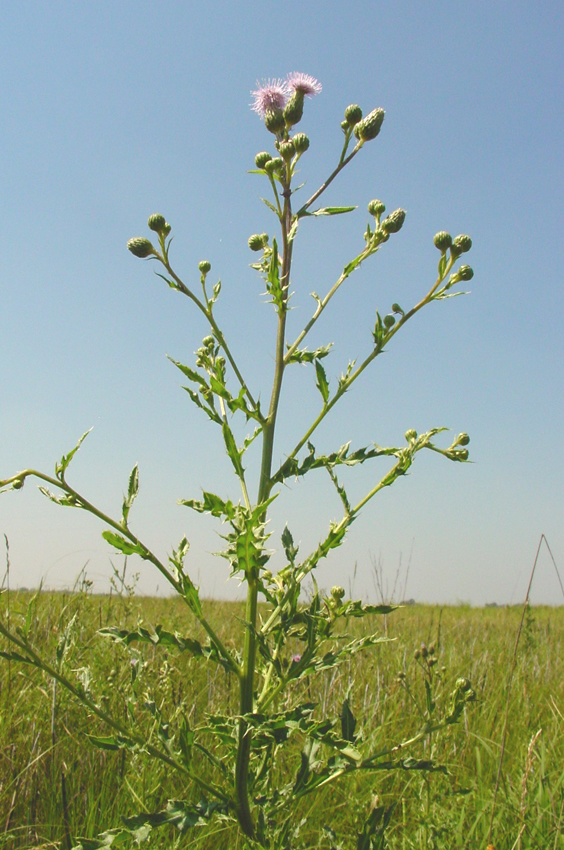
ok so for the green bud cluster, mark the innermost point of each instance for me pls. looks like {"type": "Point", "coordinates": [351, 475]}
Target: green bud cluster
{"type": "Point", "coordinates": [262, 158]}
{"type": "Point", "coordinates": [158, 224]}
{"type": "Point", "coordinates": [376, 208]}
{"type": "Point", "coordinates": [353, 114]}
{"type": "Point", "coordinates": [301, 143]}
{"type": "Point", "coordinates": [204, 266]}
{"type": "Point", "coordinates": [274, 165]}
{"type": "Point", "coordinates": [411, 435]}
{"type": "Point", "coordinates": [337, 592]}
{"type": "Point", "coordinates": [141, 247]}
{"type": "Point", "coordinates": [442, 240]}
{"type": "Point", "coordinates": [389, 321]}
{"type": "Point", "coordinates": [258, 241]}
{"type": "Point", "coordinates": [460, 245]}
{"type": "Point", "coordinates": [393, 222]}
{"type": "Point", "coordinates": [462, 440]}
{"type": "Point", "coordinates": [369, 127]}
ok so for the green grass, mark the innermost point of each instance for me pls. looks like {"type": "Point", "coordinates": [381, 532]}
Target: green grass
{"type": "Point", "coordinates": [55, 786]}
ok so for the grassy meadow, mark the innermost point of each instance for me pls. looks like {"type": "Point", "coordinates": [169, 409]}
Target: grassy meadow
{"type": "Point", "coordinates": [55, 786]}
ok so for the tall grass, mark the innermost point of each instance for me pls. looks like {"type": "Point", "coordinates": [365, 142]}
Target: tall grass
{"type": "Point", "coordinates": [54, 786]}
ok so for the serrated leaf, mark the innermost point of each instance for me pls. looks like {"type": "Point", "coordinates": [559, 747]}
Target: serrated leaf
{"type": "Point", "coordinates": [132, 491]}
{"type": "Point", "coordinates": [269, 205]}
{"type": "Point", "coordinates": [290, 549]}
{"type": "Point", "coordinates": [62, 465]}
{"type": "Point", "coordinates": [211, 504]}
{"type": "Point", "coordinates": [126, 547]}
{"type": "Point", "coordinates": [322, 383]}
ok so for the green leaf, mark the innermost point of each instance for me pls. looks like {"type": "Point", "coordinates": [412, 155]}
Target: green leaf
{"type": "Point", "coordinates": [67, 500]}
{"type": "Point", "coordinates": [62, 465]}
{"type": "Point", "coordinates": [232, 450]}
{"type": "Point", "coordinates": [305, 356]}
{"type": "Point", "coordinates": [442, 266]}
{"type": "Point", "coordinates": [332, 210]}
{"type": "Point", "coordinates": [348, 722]}
{"type": "Point", "coordinates": [126, 547]}
{"type": "Point", "coordinates": [322, 383]}
{"type": "Point", "coordinates": [372, 835]}
{"type": "Point", "coordinates": [132, 491]}
{"type": "Point", "coordinates": [268, 204]}
{"type": "Point", "coordinates": [288, 543]}
{"type": "Point", "coordinates": [111, 742]}
{"type": "Point", "coordinates": [178, 813]}
{"type": "Point", "coordinates": [210, 504]}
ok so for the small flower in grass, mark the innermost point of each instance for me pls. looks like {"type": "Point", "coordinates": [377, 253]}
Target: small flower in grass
{"type": "Point", "coordinates": [271, 96]}
{"type": "Point", "coordinates": [296, 659]}
{"type": "Point", "coordinates": [304, 83]}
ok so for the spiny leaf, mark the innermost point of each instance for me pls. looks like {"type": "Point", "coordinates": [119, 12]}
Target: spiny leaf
{"type": "Point", "coordinates": [322, 383]}
{"type": "Point", "coordinates": [62, 465]}
{"type": "Point", "coordinates": [126, 547]}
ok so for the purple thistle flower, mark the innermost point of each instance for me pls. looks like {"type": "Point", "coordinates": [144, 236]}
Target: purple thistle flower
{"type": "Point", "coordinates": [269, 96]}
{"type": "Point", "coordinates": [303, 83]}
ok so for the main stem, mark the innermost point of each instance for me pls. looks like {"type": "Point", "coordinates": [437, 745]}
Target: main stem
{"type": "Point", "coordinates": [244, 814]}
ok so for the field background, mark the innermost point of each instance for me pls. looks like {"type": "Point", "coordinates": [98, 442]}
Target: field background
{"type": "Point", "coordinates": [54, 786]}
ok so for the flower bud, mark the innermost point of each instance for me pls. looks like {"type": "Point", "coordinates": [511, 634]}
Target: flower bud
{"type": "Point", "coordinates": [274, 121]}
{"type": "Point", "coordinates": [463, 454]}
{"type": "Point", "coordinates": [353, 114]}
{"type": "Point", "coordinates": [294, 109]}
{"type": "Point", "coordinates": [465, 273]}
{"type": "Point", "coordinates": [389, 321]}
{"type": "Point", "coordinates": [274, 165]}
{"type": "Point", "coordinates": [432, 649]}
{"type": "Point", "coordinates": [140, 247]}
{"type": "Point", "coordinates": [397, 309]}
{"type": "Point", "coordinates": [411, 435]}
{"type": "Point", "coordinates": [301, 142]}
{"type": "Point", "coordinates": [462, 439]}
{"type": "Point", "coordinates": [442, 240]}
{"type": "Point", "coordinates": [417, 654]}
{"type": "Point", "coordinates": [376, 208]}
{"type": "Point", "coordinates": [204, 266]}
{"type": "Point", "coordinates": [393, 222]}
{"type": "Point", "coordinates": [369, 127]}
{"type": "Point", "coordinates": [337, 592]}
{"type": "Point", "coordinates": [258, 241]}
{"type": "Point", "coordinates": [463, 243]}
{"type": "Point", "coordinates": [345, 126]}
{"type": "Point", "coordinates": [287, 150]}
{"type": "Point", "coordinates": [208, 341]}
{"type": "Point", "coordinates": [424, 651]}
{"type": "Point", "coordinates": [262, 158]}
{"type": "Point", "coordinates": [157, 222]}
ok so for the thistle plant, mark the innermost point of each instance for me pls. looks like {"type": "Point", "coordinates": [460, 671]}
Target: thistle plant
{"type": "Point", "coordinates": [291, 630]}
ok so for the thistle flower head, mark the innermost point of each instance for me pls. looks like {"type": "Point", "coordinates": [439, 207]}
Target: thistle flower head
{"type": "Point", "coordinates": [303, 83]}
{"type": "Point", "coordinates": [271, 96]}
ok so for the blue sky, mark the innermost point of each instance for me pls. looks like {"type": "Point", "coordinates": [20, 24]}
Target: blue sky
{"type": "Point", "coordinates": [112, 111]}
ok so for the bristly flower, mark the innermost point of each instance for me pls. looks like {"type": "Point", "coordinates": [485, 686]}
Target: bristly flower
{"type": "Point", "coordinates": [271, 96]}
{"type": "Point", "coordinates": [303, 83]}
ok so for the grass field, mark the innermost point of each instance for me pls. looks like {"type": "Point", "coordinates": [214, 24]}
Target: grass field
{"type": "Point", "coordinates": [54, 786]}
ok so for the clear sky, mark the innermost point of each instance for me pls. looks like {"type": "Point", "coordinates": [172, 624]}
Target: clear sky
{"type": "Point", "coordinates": [114, 110]}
